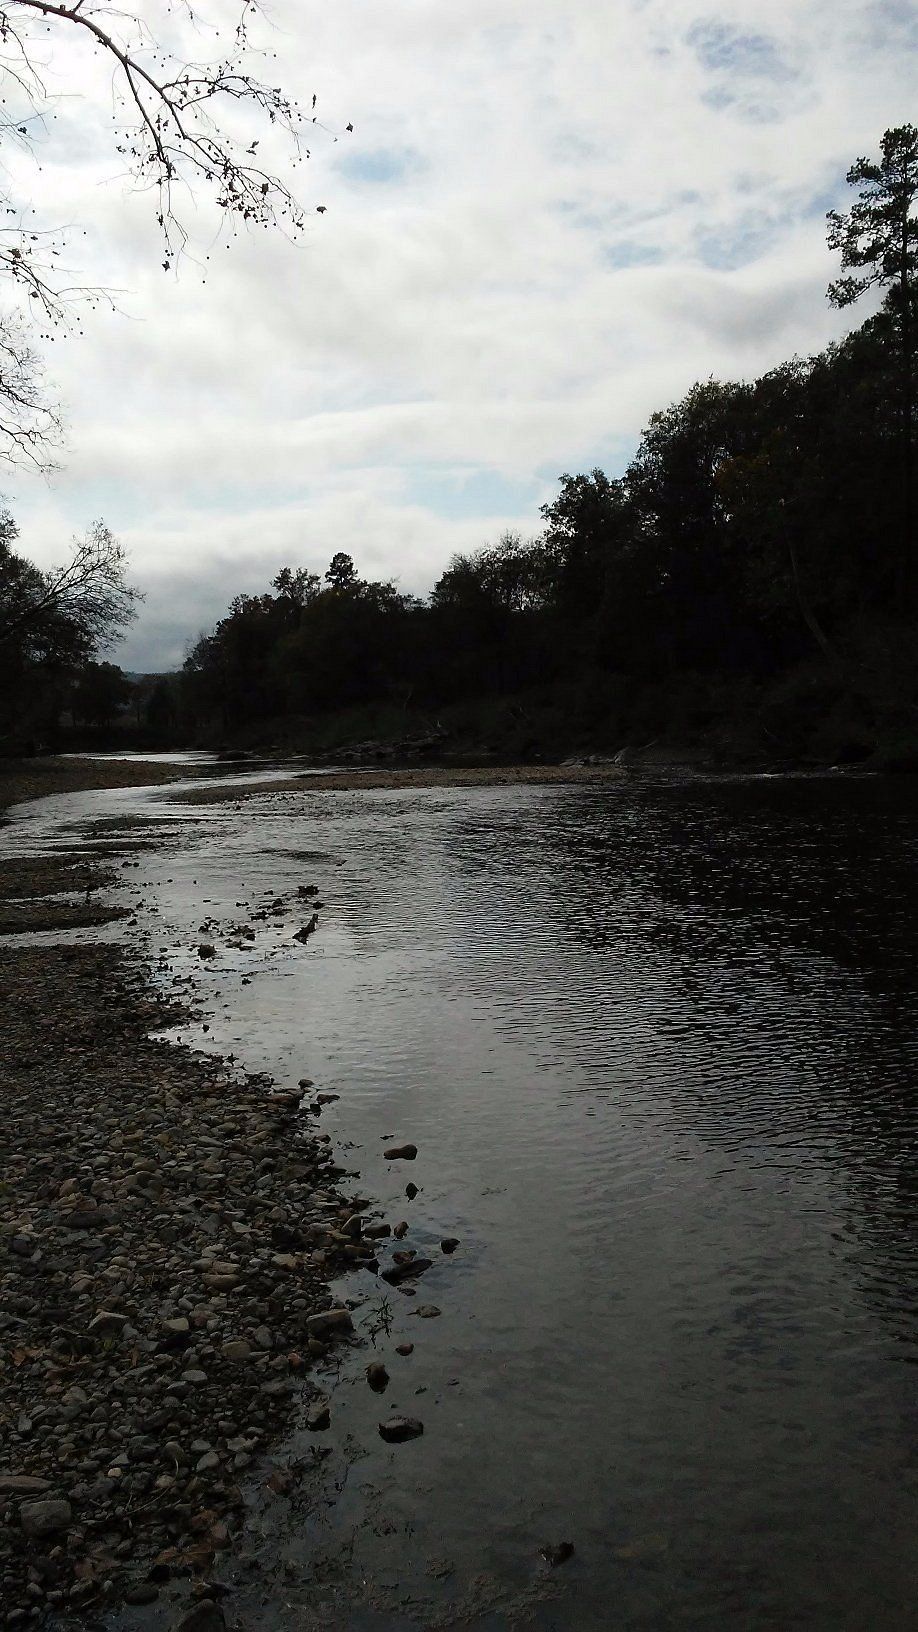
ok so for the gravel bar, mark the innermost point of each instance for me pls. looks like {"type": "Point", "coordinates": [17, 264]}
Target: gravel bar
{"type": "Point", "coordinates": [167, 1232]}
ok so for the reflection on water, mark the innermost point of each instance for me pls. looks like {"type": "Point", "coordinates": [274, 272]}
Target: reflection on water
{"type": "Point", "coordinates": [657, 1048]}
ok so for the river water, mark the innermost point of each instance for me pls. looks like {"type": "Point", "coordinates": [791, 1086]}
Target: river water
{"type": "Point", "coordinates": [657, 1046]}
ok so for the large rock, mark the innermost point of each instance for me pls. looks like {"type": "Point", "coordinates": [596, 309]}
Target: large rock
{"type": "Point", "coordinates": [398, 1429]}
{"type": "Point", "coordinates": [44, 1518]}
{"type": "Point", "coordinates": [405, 1272]}
{"type": "Point", "coordinates": [329, 1323]}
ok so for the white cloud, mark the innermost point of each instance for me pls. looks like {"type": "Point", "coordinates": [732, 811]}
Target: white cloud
{"type": "Point", "coordinates": [549, 221]}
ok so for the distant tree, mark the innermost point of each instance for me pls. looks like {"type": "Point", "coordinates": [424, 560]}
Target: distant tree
{"type": "Point", "coordinates": [296, 586]}
{"type": "Point", "coordinates": [183, 126]}
{"type": "Point", "coordinates": [582, 528]}
{"type": "Point", "coordinates": [161, 711]}
{"type": "Point", "coordinates": [878, 243]}
{"type": "Point", "coordinates": [341, 574]}
{"type": "Point", "coordinates": [101, 691]}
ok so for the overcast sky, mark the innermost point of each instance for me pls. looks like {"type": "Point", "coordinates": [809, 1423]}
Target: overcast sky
{"type": "Point", "coordinates": [552, 217]}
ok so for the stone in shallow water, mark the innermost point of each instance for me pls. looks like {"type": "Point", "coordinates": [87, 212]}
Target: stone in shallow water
{"type": "Point", "coordinates": [401, 1153]}
{"type": "Point", "coordinates": [406, 1271]}
{"type": "Point", "coordinates": [398, 1429]}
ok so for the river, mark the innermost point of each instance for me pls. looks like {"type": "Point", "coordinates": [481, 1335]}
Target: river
{"type": "Point", "coordinates": [657, 1046]}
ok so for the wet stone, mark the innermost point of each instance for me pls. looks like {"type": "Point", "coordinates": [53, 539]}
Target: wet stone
{"type": "Point", "coordinates": [398, 1429]}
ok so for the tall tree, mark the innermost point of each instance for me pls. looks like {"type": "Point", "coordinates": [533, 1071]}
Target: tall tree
{"type": "Point", "coordinates": [878, 243]}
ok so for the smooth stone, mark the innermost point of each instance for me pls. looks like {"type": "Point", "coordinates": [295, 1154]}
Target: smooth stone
{"type": "Point", "coordinates": [236, 1349]}
{"type": "Point", "coordinates": [331, 1320]}
{"type": "Point", "coordinates": [449, 1244]}
{"type": "Point", "coordinates": [43, 1518]}
{"type": "Point", "coordinates": [398, 1429]}
{"type": "Point", "coordinates": [204, 1616]}
{"type": "Point", "coordinates": [404, 1348]}
{"type": "Point", "coordinates": [401, 1153]}
{"type": "Point", "coordinates": [406, 1271]}
{"type": "Point", "coordinates": [377, 1376]}
{"type": "Point", "coordinates": [318, 1417]}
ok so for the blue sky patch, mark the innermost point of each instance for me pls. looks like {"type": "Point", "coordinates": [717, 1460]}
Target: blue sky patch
{"type": "Point", "coordinates": [382, 166]}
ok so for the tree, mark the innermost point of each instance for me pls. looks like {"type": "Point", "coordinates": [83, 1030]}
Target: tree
{"type": "Point", "coordinates": [341, 574]}
{"type": "Point", "coordinates": [184, 128]}
{"type": "Point", "coordinates": [102, 690]}
{"type": "Point", "coordinates": [87, 599]}
{"type": "Point", "coordinates": [878, 243]}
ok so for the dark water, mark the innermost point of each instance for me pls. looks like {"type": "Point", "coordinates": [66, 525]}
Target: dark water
{"type": "Point", "coordinates": [657, 1046]}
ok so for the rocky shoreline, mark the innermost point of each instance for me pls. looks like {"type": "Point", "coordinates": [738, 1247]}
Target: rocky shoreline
{"type": "Point", "coordinates": [167, 1232]}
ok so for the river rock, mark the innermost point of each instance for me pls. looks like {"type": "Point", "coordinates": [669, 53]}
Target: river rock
{"type": "Point", "coordinates": [397, 1273]}
{"type": "Point", "coordinates": [404, 1348]}
{"type": "Point", "coordinates": [318, 1417]}
{"type": "Point", "coordinates": [558, 1552]}
{"type": "Point", "coordinates": [398, 1429]}
{"type": "Point", "coordinates": [401, 1153]}
{"type": "Point", "coordinates": [204, 1616]}
{"type": "Point", "coordinates": [377, 1376]}
{"type": "Point", "coordinates": [330, 1322]}
{"type": "Point", "coordinates": [44, 1518]}
{"type": "Point", "coordinates": [449, 1244]}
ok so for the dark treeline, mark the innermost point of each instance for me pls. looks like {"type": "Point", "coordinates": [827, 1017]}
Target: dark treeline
{"type": "Point", "coordinates": [758, 526]}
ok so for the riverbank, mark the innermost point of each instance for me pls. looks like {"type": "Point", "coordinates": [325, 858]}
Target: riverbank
{"type": "Point", "coordinates": [23, 779]}
{"type": "Point", "coordinates": [167, 1228]}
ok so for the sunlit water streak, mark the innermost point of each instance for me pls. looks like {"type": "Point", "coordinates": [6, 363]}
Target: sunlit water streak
{"type": "Point", "coordinates": [657, 1047]}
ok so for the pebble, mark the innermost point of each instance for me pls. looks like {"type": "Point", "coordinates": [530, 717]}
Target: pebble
{"type": "Point", "coordinates": [377, 1376]}
{"type": "Point", "coordinates": [318, 1417]}
{"type": "Point", "coordinates": [401, 1153]}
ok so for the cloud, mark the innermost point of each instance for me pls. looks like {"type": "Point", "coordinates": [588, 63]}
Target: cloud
{"type": "Point", "coordinates": [548, 222]}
